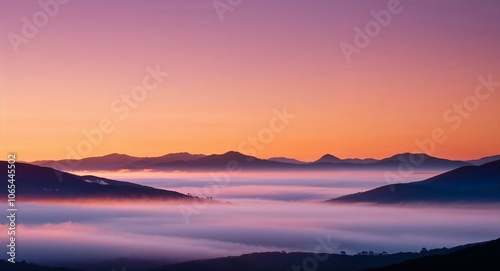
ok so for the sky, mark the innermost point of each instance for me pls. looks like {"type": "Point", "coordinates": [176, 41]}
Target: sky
{"type": "Point", "coordinates": [234, 70]}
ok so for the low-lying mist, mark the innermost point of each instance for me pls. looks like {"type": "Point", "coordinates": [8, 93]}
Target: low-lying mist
{"type": "Point", "coordinates": [57, 233]}
{"type": "Point", "coordinates": [272, 213]}
{"type": "Point", "coordinates": [270, 185]}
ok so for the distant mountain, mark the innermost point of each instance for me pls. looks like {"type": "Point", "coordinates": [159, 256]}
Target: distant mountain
{"type": "Point", "coordinates": [465, 184]}
{"type": "Point", "coordinates": [286, 160]}
{"type": "Point", "coordinates": [171, 157]}
{"type": "Point", "coordinates": [170, 162]}
{"type": "Point", "coordinates": [359, 161]}
{"type": "Point", "coordinates": [484, 160]}
{"type": "Point", "coordinates": [282, 261]}
{"type": "Point", "coordinates": [479, 257]}
{"type": "Point", "coordinates": [419, 160]}
{"type": "Point", "coordinates": [35, 182]}
{"type": "Point", "coordinates": [415, 160]}
{"type": "Point", "coordinates": [115, 162]}
{"type": "Point", "coordinates": [227, 161]}
{"type": "Point", "coordinates": [328, 158]}
{"type": "Point", "coordinates": [197, 162]}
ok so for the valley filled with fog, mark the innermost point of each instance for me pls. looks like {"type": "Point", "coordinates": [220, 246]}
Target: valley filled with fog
{"type": "Point", "coordinates": [253, 212]}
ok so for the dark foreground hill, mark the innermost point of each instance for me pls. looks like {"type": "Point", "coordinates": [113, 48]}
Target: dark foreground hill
{"type": "Point", "coordinates": [477, 258]}
{"type": "Point", "coordinates": [35, 182]}
{"type": "Point", "coordinates": [278, 261]}
{"type": "Point", "coordinates": [465, 184]}
{"type": "Point", "coordinates": [281, 261]}
{"type": "Point", "coordinates": [22, 266]}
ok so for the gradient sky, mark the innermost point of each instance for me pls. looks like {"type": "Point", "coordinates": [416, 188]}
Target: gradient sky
{"type": "Point", "coordinates": [225, 77]}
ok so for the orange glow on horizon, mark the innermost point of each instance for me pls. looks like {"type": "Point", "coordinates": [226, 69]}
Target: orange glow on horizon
{"type": "Point", "coordinates": [226, 78]}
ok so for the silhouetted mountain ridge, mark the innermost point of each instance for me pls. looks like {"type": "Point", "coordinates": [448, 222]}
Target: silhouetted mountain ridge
{"type": "Point", "coordinates": [483, 256]}
{"type": "Point", "coordinates": [465, 184]}
{"type": "Point", "coordinates": [484, 160]}
{"type": "Point", "coordinates": [328, 158]}
{"type": "Point", "coordinates": [152, 162]}
{"type": "Point", "coordinates": [35, 182]}
{"type": "Point", "coordinates": [196, 162]}
{"type": "Point", "coordinates": [282, 261]}
{"type": "Point", "coordinates": [286, 160]}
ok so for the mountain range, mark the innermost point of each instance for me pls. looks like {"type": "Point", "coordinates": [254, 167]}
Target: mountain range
{"type": "Point", "coordinates": [467, 183]}
{"type": "Point", "coordinates": [199, 162]}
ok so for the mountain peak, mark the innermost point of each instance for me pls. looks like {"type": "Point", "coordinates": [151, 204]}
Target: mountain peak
{"type": "Point", "coordinates": [328, 158]}
{"type": "Point", "coordinates": [406, 155]}
{"type": "Point", "coordinates": [112, 155]}
{"type": "Point", "coordinates": [233, 154]}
